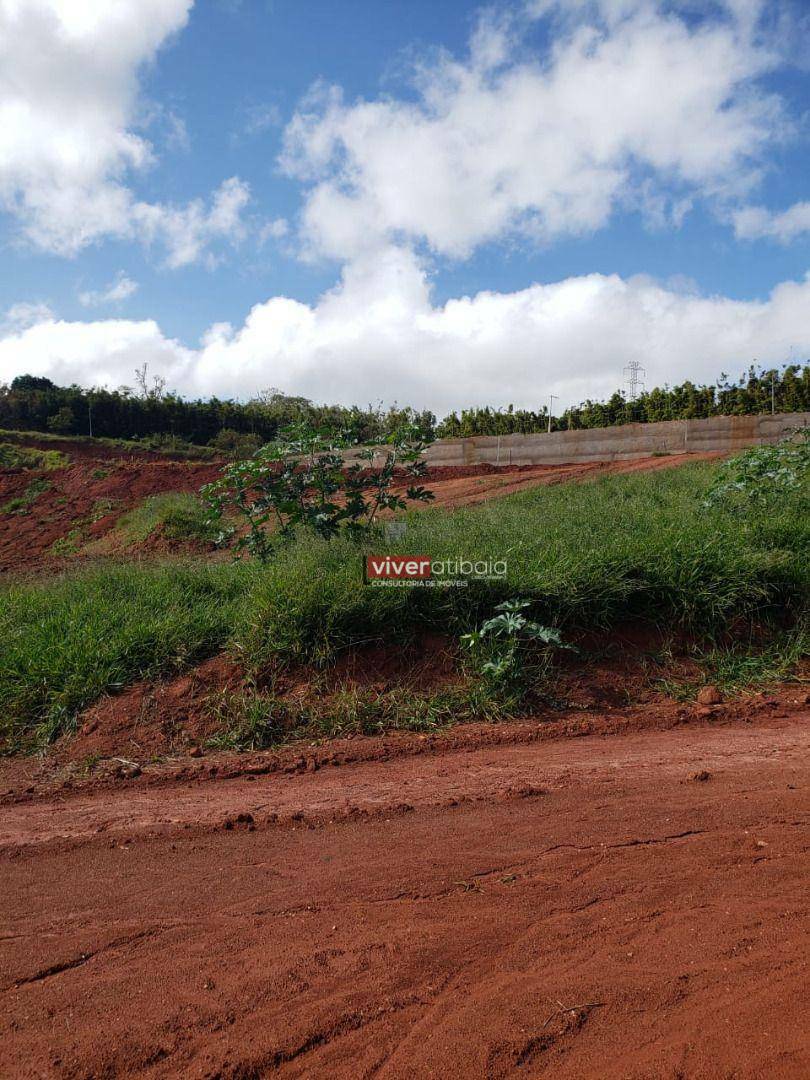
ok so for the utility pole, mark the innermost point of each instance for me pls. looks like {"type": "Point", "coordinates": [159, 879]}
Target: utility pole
{"type": "Point", "coordinates": [90, 413]}
{"type": "Point", "coordinates": [773, 393]}
{"type": "Point", "coordinates": [551, 399]}
{"type": "Point", "coordinates": [631, 375]}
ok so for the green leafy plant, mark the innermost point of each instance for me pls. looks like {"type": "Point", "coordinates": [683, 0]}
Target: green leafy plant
{"type": "Point", "coordinates": [314, 480]}
{"type": "Point", "coordinates": [22, 503]}
{"type": "Point", "coordinates": [69, 544]}
{"type": "Point", "coordinates": [763, 474]}
{"type": "Point", "coordinates": [510, 651]}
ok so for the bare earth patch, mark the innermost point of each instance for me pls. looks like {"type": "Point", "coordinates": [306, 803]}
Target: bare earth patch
{"type": "Point", "coordinates": [623, 906]}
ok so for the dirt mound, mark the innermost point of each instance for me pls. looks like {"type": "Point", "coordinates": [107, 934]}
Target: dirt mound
{"type": "Point", "coordinates": [150, 719]}
{"type": "Point", "coordinates": [161, 728]}
{"type": "Point", "coordinates": [468, 485]}
{"type": "Point", "coordinates": [82, 503]}
{"type": "Point", "coordinates": [624, 907]}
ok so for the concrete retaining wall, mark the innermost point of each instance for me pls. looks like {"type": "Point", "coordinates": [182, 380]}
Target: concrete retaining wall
{"type": "Point", "coordinates": [718, 433]}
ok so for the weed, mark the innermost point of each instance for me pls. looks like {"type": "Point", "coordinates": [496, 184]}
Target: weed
{"type": "Point", "coordinates": [763, 474]}
{"type": "Point", "coordinates": [590, 555]}
{"type": "Point", "coordinates": [23, 503]}
{"type": "Point", "coordinates": [510, 652]}
{"type": "Point", "coordinates": [13, 456]}
{"type": "Point", "coordinates": [177, 515]}
{"type": "Point", "coordinates": [101, 508]}
{"type": "Point", "coordinates": [255, 720]}
{"type": "Point", "coordinates": [69, 544]}
{"type": "Point", "coordinates": [742, 665]}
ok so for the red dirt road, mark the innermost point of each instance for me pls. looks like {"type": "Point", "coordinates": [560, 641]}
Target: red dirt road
{"type": "Point", "coordinates": [633, 905]}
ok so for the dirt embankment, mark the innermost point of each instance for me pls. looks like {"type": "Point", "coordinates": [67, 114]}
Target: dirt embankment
{"type": "Point", "coordinates": [78, 506]}
{"type": "Point", "coordinates": [623, 906]}
{"type": "Point", "coordinates": [82, 503]}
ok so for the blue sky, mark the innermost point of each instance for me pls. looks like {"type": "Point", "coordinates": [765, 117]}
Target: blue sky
{"type": "Point", "coordinates": [437, 203]}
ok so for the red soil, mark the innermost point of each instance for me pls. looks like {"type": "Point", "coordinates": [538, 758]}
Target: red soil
{"type": "Point", "coordinates": [606, 890]}
{"type": "Point", "coordinates": [152, 722]}
{"type": "Point", "coordinates": [623, 906]}
{"type": "Point", "coordinates": [88, 497]}
{"type": "Point", "coordinates": [85, 500]}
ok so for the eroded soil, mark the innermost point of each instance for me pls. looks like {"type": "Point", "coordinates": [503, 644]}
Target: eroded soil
{"type": "Point", "coordinates": [75, 517]}
{"type": "Point", "coordinates": [624, 905]}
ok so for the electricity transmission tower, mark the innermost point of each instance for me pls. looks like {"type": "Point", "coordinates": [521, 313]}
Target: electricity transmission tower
{"type": "Point", "coordinates": [551, 399]}
{"type": "Point", "coordinates": [631, 376]}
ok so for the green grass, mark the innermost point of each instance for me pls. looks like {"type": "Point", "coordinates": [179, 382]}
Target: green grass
{"type": "Point", "coordinates": [23, 503]}
{"type": "Point", "coordinates": [178, 515]}
{"type": "Point", "coordinates": [588, 555]}
{"type": "Point", "coordinates": [67, 641]}
{"type": "Point", "coordinates": [13, 456]}
{"type": "Point", "coordinates": [172, 445]}
{"type": "Point", "coordinates": [742, 665]}
{"type": "Point", "coordinates": [255, 720]}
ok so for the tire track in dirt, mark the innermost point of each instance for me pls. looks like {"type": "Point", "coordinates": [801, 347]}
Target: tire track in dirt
{"type": "Point", "coordinates": [660, 874]}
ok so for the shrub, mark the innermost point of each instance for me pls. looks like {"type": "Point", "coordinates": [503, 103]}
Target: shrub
{"type": "Point", "coordinates": [764, 474]}
{"type": "Point", "coordinates": [510, 651]}
{"type": "Point", "coordinates": [235, 445]}
{"type": "Point", "coordinates": [304, 480]}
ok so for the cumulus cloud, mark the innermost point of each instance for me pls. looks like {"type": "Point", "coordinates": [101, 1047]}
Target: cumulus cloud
{"type": "Point", "coordinates": [121, 288]}
{"type": "Point", "coordinates": [23, 315]}
{"type": "Point", "coordinates": [756, 223]}
{"type": "Point", "coordinates": [187, 231]}
{"type": "Point", "coordinates": [68, 147]}
{"type": "Point", "coordinates": [379, 336]}
{"type": "Point", "coordinates": [630, 104]}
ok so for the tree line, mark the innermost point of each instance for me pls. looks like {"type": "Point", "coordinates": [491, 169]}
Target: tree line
{"type": "Point", "coordinates": [149, 413]}
{"type": "Point", "coordinates": [785, 389]}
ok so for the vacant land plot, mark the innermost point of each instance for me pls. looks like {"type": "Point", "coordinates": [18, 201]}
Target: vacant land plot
{"type": "Point", "coordinates": [268, 804]}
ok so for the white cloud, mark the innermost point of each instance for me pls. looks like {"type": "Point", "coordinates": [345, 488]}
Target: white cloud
{"type": "Point", "coordinates": [188, 231]}
{"type": "Point", "coordinates": [68, 100]}
{"type": "Point", "coordinates": [121, 288]}
{"type": "Point", "coordinates": [23, 315]}
{"type": "Point", "coordinates": [756, 222]}
{"type": "Point", "coordinates": [631, 103]}
{"type": "Point", "coordinates": [260, 118]}
{"type": "Point", "coordinates": [273, 230]}
{"type": "Point", "coordinates": [378, 336]}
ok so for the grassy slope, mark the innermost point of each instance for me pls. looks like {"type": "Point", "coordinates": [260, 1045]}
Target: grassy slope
{"type": "Point", "coordinates": [589, 555]}
{"type": "Point", "coordinates": [175, 447]}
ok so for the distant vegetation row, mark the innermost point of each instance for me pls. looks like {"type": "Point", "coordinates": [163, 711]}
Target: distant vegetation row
{"type": "Point", "coordinates": [149, 413]}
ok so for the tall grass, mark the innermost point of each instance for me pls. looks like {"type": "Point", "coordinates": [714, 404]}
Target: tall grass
{"type": "Point", "coordinates": [587, 555]}
{"type": "Point", "coordinates": [65, 642]}
{"type": "Point", "coordinates": [179, 515]}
